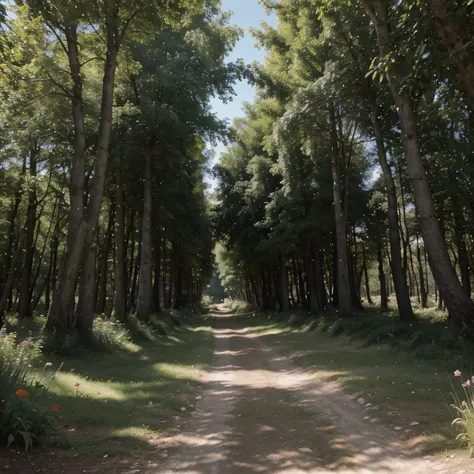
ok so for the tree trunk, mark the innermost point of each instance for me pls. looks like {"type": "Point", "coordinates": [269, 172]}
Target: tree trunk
{"type": "Point", "coordinates": [415, 280]}
{"type": "Point", "coordinates": [458, 303]}
{"type": "Point", "coordinates": [173, 266]}
{"type": "Point", "coordinates": [10, 250]}
{"type": "Point", "coordinates": [157, 279]}
{"type": "Point", "coordinates": [86, 303]}
{"type": "Point", "coordinates": [77, 181]}
{"type": "Point", "coordinates": [134, 282]}
{"type": "Point", "coordinates": [40, 261]}
{"type": "Point", "coordinates": [366, 276]}
{"type": "Point", "coordinates": [25, 291]}
{"type": "Point", "coordinates": [144, 298]}
{"type": "Point", "coordinates": [296, 280]}
{"type": "Point", "coordinates": [318, 257]}
{"type": "Point", "coordinates": [104, 263]}
{"type": "Point", "coordinates": [383, 284]}
{"type": "Point", "coordinates": [9, 281]}
{"type": "Point", "coordinates": [456, 39]}
{"type": "Point", "coordinates": [61, 315]}
{"type": "Point", "coordinates": [120, 295]}
{"type": "Point", "coordinates": [284, 294]}
{"type": "Point", "coordinates": [312, 292]}
{"type": "Point", "coordinates": [423, 294]}
{"type": "Point", "coordinates": [459, 229]}
{"type": "Point", "coordinates": [398, 274]}
{"type": "Point", "coordinates": [343, 277]}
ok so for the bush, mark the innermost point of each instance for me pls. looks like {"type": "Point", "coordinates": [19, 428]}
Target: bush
{"type": "Point", "coordinates": [237, 306]}
{"type": "Point", "coordinates": [206, 301]}
{"type": "Point", "coordinates": [22, 421]}
{"type": "Point", "coordinates": [110, 334]}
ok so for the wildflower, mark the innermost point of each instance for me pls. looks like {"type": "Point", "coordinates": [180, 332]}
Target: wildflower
{"type": "Point", "coordinates": [48, 364]}
{"type": "Point", "coordinates": [21, 393]}
{"type": "Point", "coordinates": [466, 384]}
{"type": "Point", "coordinates": [55, 408]}
{"type": "Point", "coordinates": [25, 343]}
{"type": "Point", "coordinates": [77, 384]}
{"type": "Point", "coordinates": [457, 373]}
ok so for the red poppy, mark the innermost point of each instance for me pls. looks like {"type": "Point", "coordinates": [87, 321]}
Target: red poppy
{"type": "Point", "coordinates": [55, 408]}
{"type": "Point", "coordinates": [21, 393]}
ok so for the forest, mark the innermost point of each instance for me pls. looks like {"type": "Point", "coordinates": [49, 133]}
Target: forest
{"type": "Point", "coordinates": [346, 187]}
{"type": "Point", "coordinates": [350, 174]}
{"type": "Point", "coordinates": [103, 153]}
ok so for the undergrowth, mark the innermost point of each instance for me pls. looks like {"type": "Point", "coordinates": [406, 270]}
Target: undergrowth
{"type": "Point", "coordinates": [427, 337]}
{"type": "Point", "coordinates": [108, 335]}
{"type": "Point", "coordinates": [30, 392]}
{"type": "Point", "coordinates": [23, 421]}
{"type": "Point", "coordinates": [237, 306]}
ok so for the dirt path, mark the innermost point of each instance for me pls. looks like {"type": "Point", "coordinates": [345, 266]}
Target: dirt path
{"type": "Point", "coordinates": [260, 414]}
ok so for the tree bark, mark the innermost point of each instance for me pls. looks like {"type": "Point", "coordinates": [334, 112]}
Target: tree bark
{"type": "Point", "coordinates": [383, 284]}
{"type": "Point", "coordinates": [157, 279]}
{"type": "Point", "coordinates": [458, 303]}
{"type": "Point", "coordinates": [423, 294]}
{"type": "Point", "coordinates": [10, 250]}
{"type": "Point", "coordinates": [312, 292]}
{"type": "Point", "coordinates": [284, 293]}
{"type": "Point", "coordinates": [366, 276]}
{"type": "Point", "coordinates": [104, 263]}
{"type": "Point", "coordinates": [144, 298]}
{"type": "Point", "coordinates": [398, 275]}
{"type": "Point", "coordinates": [61, 315]}
{"type": "Point", "coordinates": [77, 181]}
{"type": "Point", "coordinates": [343, 277]}
{"type": "Point", "coordinates": [120, 294]}
{"type": "Point", "coordinates": [25, 290]}
{"type": "Point", "coordinates": [87, 294]}
{"type": "Point", "coordinates": [9, 281]}
{"type": "Point", "coordinates": [40, 261]}
{"type": "Point", "coordinates": [459, 229]}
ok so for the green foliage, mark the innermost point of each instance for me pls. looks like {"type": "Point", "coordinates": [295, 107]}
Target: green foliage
{"type": "Point", "coordinates": [206, 301]}
{"type": "Point", "coordinates": [463, 410]}
{"type": "Point", "coordinates": [238, 306]}
{"type": "Point", "coordinates": [24, 422]}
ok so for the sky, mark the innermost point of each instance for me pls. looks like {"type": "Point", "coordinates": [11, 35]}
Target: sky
{"type": "Point", "coordinates": [247, 13]}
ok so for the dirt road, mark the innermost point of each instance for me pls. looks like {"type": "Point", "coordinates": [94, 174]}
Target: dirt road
{"type": "Point", "coordinates": [261, 414]}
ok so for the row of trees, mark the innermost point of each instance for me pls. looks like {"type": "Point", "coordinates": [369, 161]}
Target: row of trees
{"type": "Point", "coordinates": [104, 119]}
{"type": "Point", "coordinates": [356, 154]}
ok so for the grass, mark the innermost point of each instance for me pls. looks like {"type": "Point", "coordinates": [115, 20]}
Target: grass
{"type": "Point", "coordinates": [127, 397]}
{"type": "Point", "coordinates": [405, 372]}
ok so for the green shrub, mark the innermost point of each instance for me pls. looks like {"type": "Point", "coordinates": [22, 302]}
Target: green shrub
{"type": "Point", "coordinates": [206, 301]}
{"type": "Point", "coordinates": [23, 421]}
{"type": "Point", "coordinates": [110, 334]}
{"type": "Point", "coordinates": [238, 306]}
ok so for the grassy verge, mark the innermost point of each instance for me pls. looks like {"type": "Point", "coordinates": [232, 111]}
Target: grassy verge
{"type": "Point", "coordinates": [121, 400]}
{"type": "Point", "coordinates": [402, 374]}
